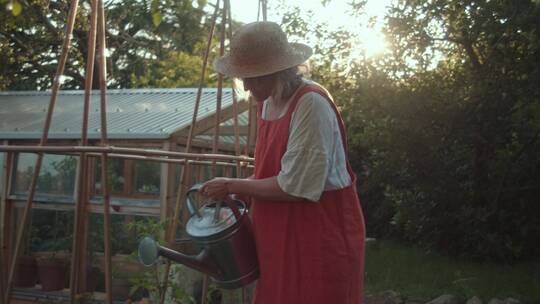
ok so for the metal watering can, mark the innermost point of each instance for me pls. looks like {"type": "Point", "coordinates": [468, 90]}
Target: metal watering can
{"type": "Point", "coordinates": [223, 232]}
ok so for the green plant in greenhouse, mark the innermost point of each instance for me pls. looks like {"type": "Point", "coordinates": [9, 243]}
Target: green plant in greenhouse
{"type": "Point", "coordinates": [54, 236]}
{"type": "Point", "coordinates": [152, 280]}
{"type": "Point", "coordinates": [32, 240]}
{"type": "Point", "coordinates": [121, 241]}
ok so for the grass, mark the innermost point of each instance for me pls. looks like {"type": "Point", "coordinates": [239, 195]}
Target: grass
{"type": "Point", "coordinates": [421, 276]}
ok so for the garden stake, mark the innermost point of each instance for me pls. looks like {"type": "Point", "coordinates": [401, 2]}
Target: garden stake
{"type": "Point", "coordinates": [82, 197]}
{"type": "Point", "coordinates": [119, 150]}
{"type": "Point", "coordinates": [104, 156]}
{"type": "Point", "coordinates": [217, 121]}
{"type": "Point", "coordinates": [172, 160]}
{"type": "Point", "coordinates": [182, 186]}
{"type": "Point", "coordinates": [234, 99]}
{"type": "Point", "coordinates": [204, 294]}
{"type": "Point", "coordinates": [46, 127]}
{"type": "Point", "coordinates": [4, 216]}
{"type": "Point", "coordinates": [201, 80]}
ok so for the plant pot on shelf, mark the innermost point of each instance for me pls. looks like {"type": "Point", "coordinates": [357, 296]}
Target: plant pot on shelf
{"type": "Point", "coordinates": [92, 278]}
{"type": "Point", "coordinates": [26, 275]}
{"type": "Point", "coordinates": [120, 289]}
{"type": "Point", "coordinates": [52, 273]}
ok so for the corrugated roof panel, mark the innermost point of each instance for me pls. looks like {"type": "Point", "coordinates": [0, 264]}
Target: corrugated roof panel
{"type": "Point", "coordinates": [133, 113]}
{"type": "Point", "coordinates": [222, 139]}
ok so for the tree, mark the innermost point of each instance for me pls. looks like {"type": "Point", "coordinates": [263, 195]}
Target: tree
{"type": "Point", "coordinates": [444, 131]}
{"type": "Point", "coordinates": [472, 157]}
{"type": "Point", "coordinates": [150, 43]}
{"type": "Point", "coordinates": [461, 131]}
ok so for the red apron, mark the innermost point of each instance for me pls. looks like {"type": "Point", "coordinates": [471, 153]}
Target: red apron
{"type": "Point", "coordinates": [308, 252]}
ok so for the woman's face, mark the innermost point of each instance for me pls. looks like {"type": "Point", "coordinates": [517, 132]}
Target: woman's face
{"type": "Point", "coordinates": [260, 87]}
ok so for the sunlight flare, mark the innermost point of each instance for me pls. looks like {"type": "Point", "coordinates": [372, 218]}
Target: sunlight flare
{"type": "Point", "coordinates": [373, 42]}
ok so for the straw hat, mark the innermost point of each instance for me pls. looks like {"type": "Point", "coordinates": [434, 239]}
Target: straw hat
{"type": "Point", "coordinates": [261, 48]}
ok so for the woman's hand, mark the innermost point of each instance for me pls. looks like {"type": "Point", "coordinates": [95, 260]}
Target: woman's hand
{"type": "Point", "coordinates": [217, 188]}
{"type": "Point", "coordinates": [266, 188]}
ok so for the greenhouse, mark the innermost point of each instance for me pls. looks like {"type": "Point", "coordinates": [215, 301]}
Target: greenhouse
{"type": "Point", "coordinates": [142, 190]}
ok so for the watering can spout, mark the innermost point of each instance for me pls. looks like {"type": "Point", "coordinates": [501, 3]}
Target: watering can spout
{"type": "Point", "coordinates": [150, 250]}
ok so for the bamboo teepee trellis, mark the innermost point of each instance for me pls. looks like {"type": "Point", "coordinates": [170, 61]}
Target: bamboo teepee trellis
{"type": "Point", "coordinates": [104, 151]}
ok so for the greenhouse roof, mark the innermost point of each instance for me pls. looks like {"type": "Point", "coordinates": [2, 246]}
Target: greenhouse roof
{"type": "Point", "coordinates": [131, 113]}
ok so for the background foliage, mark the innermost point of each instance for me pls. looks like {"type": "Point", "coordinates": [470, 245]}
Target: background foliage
{"type": "Point", "coordinates": [150, 43]}
{"type": "Point", "coordinates": [444, 129]}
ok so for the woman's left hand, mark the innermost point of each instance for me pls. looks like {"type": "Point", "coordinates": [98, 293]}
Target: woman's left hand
{"type": "Point", "coordinates": [216, 188]}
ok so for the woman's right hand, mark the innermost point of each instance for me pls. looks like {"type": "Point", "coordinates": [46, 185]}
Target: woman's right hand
{"type": "Point", "coordinates": [216, 188]}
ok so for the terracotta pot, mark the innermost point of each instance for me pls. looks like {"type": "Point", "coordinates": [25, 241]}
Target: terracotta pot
{"type": "Point", "coordinates": [26, 275]}
{"type": "Point", "coordinates": [52, 273]}
{"type": "Point", "coordinates": [92, 277]}
{"type": "Point", "coordinates": [120, 289]}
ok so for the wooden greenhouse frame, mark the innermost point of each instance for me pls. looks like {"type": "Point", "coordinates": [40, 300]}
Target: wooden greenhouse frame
{"type": "Point", "coordinates": [165, 152]}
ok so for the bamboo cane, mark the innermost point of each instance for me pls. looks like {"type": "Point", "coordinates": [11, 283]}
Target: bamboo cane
{"type": "Point", "coordinates": [182, 185]}
{"type": "Point", "coordinates": [237, 149]}
{"type": "Point", "coordinates": [79, 230]}
{"type": "Point", "coordinates": [80, 210]}
{"type": "Point", "coordinates": [104, 157]}
{"type": "Point", "coordinates": [4, 213]}
{"type": "Point", "coordinates": [201, 80]}
{"type": "Point", "coordinates": [258, 10]}
{"type": "Point", "coordinates": [171, 234]}
{"type": "Point", "coordinates": [169, 160]}
{"type": "Point", "coordinates": [164, 159]}
{"type": "Point", "coordinates": [46, 127]}
{"type": "Point", "coordinates": [204, 293]}
{"type": "Point", "coordinates": [121, 150]}
{"type": "Point", "coordinates": [215, 144]}
{"type": "Point", "coordinates": [219, 88]}
{"type": "Point", "coordinates": [264, 9]}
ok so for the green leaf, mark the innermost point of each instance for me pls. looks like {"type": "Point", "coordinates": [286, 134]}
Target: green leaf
{"type": "Point", "coordinates": [156, 19]}
{"type": "Point", "coordinates": [16, 8]}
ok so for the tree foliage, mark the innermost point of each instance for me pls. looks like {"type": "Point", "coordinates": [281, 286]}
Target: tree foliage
{"type": "Point", "coordinates": [150, 43]}
{"type": "Point", "coordinates": [444, 130]}
{"type": "Point", "coordinates": [473, 155]}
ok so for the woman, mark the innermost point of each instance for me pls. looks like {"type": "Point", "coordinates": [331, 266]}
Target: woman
{"type": "Point", "coordinates": [309, 228]}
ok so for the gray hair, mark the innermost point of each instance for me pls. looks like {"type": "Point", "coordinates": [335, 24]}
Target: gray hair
{"type": "Point", "coordinates": [286, 82]}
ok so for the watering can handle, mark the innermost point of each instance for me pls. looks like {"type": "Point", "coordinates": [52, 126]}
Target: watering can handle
{"type": "Point", "coordinates": [231, 203]}
{"type": "Point", "coordinates": [194, 211]}
{"type": "Point", "coordinates": [189, 200]}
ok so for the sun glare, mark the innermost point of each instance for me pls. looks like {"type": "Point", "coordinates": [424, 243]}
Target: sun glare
{"type": "Point", "coordinates": [373, 42]}
{"type": "Point", "coordinates": [370, 40]}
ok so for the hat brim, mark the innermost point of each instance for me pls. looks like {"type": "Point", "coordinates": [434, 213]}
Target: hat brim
{"type": "Point", "coordinates": [298, 53]}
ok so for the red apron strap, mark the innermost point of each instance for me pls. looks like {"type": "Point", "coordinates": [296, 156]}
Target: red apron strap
{"type": "Point", "coordinates": [321, 91]}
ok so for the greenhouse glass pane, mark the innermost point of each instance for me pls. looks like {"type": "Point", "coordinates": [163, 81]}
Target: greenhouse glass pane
{"type": "Point", "coordinates": [125, 231]}
{"type": "Point", "coordinates": [50, 231]}
{"type": "Point", "coordinates": [56, 177]}
{"type": "Point", "coordinates": [24, 171]}
{"type": "Point", "coordinates": [147, 177]}
{"type": "Point", "coordinates": [115, 168]}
